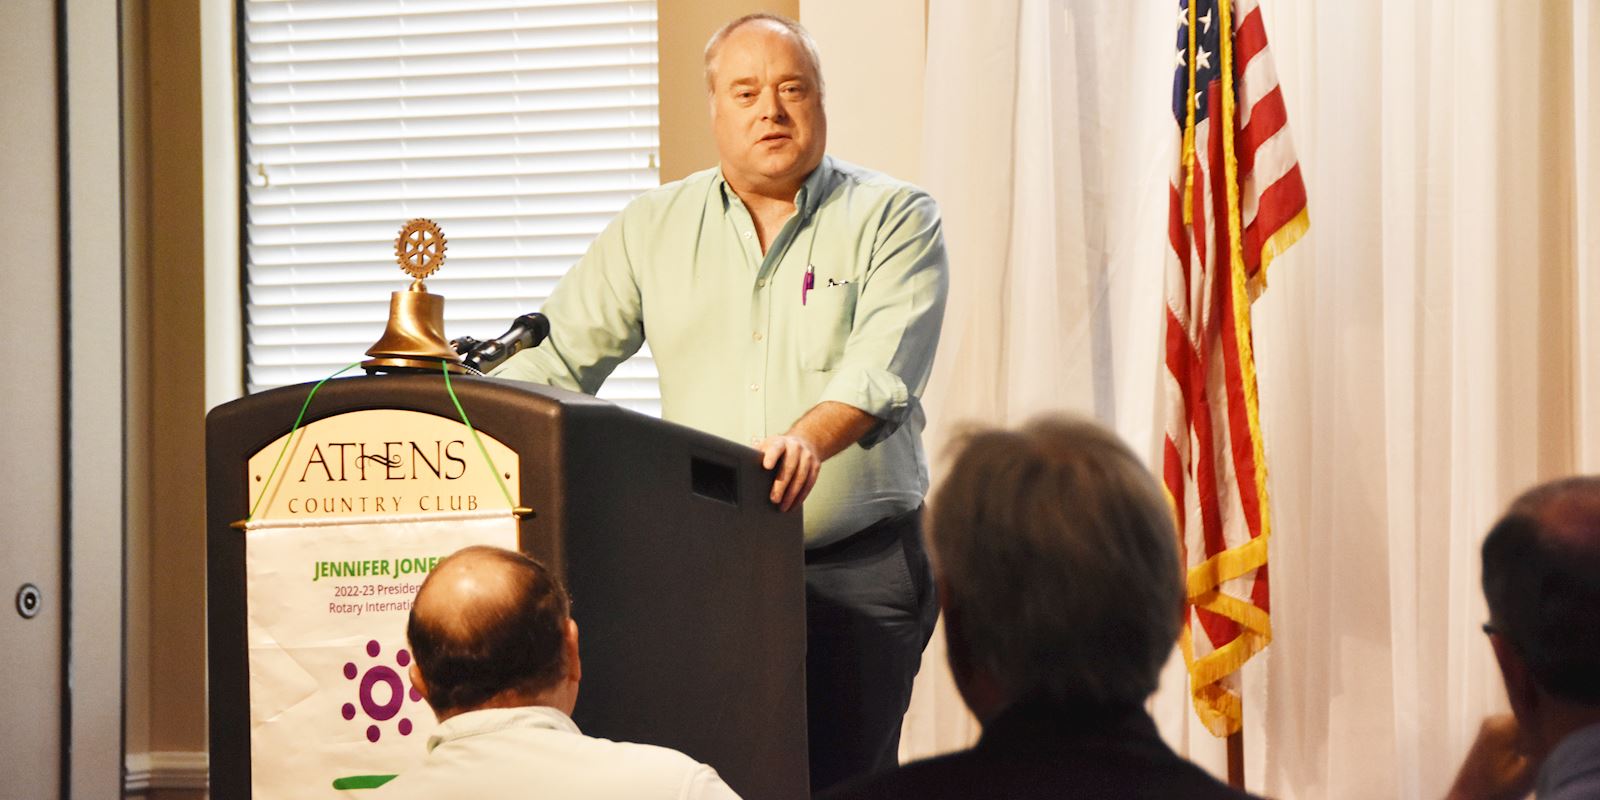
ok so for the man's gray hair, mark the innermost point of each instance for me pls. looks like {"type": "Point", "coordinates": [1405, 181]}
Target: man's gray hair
{"type": "Point", "coordinates": [1058, 551]}
{"type": "Point", "coordinates": [794, 29]}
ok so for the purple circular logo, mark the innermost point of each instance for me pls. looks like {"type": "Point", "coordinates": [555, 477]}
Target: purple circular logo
{"type": "Point", "coordinates": [381, 694]}
{"type": "Point", "coordinates": [397, 693]}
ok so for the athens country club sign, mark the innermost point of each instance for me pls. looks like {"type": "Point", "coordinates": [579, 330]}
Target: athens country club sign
{"type": "Point", "coordinates": [379, 462]}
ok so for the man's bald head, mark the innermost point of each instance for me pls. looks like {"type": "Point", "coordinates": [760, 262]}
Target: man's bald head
{"type": "Point", "coordinates": [487, 621]}
{"type": "Point", "coordinates": [773, 22]}
{"type": "Point", "coordinates": [1541, 578]}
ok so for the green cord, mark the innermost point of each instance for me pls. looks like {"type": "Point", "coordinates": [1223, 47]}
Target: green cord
{"type": "Point", "coordinates": [303, 406]}
{"type": "Point", "coordinates": [445, 366]}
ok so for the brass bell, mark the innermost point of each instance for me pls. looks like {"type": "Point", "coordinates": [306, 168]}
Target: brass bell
{"type": "Point", "coordinates": [414, 338]}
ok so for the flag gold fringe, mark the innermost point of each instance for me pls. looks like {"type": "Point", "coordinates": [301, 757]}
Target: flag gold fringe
{"type": "Point", "coordinates": [1281, 240]}
{"type": "Point", "coordinates": [1225, 566]}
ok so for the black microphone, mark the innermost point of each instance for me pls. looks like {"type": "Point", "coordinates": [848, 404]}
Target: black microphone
{"type": "Point", "coordinates": [526, 331]}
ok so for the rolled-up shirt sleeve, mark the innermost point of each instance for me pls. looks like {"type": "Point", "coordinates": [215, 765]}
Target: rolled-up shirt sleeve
{"type": "Point", "coordinates": [899, 310]}
{"type": "Point", "coordinates": [595, 318]}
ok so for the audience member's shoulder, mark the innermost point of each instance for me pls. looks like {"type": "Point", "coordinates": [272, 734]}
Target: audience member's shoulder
{"type": "Point", "coordinates": [644, 755]}
{"type": "Point", "coordinates": [669, 766]}
{"type": "Point", "coordinates": [966, 775]}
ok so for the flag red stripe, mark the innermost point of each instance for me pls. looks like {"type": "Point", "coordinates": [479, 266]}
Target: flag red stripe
{"type": "Point", "coordinates": [1180, 357]}
{"type": "Point", "coordinates": [1172, 470]}
{"type": "Point", "coordinates": [1219, 205]}
{"type": "Point", "coordinates": [1268, 118]}
{"type": "Point", "coordinates": [1219, 629]}
{"type": "Point", "coordinates": [1280, 203]}
{"type": "Point", "coordinates": [1260, 596]}
{"type": "Point", "coordinates": [1177, 234]}
{"type": "Point", "coordinates": [1249, 39]}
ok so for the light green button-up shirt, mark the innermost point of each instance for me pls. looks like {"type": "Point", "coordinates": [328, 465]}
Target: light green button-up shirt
{"type": "Point", "coordinates": [743, 348]}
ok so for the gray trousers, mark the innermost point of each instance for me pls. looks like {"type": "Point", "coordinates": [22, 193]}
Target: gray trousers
{"type": "Point", "coordinates": [870, 610]}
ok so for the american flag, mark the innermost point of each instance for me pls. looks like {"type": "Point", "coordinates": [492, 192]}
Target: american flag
{"type": "Point", "coordinates": [1237, 201]}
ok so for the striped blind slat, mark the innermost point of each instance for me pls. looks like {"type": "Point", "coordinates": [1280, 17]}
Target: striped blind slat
{"type": "Point", "coordinates": [520, 126]}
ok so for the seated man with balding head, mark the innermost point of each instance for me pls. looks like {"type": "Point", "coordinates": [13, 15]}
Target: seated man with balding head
{"type": "Point", "coordinates": [496, 656]}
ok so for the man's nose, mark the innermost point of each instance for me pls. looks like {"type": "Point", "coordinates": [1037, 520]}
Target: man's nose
{"type": "Point", "coordinates": [772, 107]}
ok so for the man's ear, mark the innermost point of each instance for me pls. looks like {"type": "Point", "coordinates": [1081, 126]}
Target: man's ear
{"type": "Point", "coordinates": [416, 680]}
{"type": "Point", "coordinates": [574, 663]}
{"type": "Point", "coordinates": [1520, 687]}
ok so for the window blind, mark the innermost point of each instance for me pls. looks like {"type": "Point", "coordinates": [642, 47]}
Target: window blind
{"type": "Point", "coordinates": [521, 128]}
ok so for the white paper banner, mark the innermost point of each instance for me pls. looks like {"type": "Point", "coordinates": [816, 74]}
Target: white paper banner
{"type": "Point", "coordinates": [332, 711]}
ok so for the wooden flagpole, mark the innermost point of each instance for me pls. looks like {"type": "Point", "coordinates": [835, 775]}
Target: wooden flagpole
{"type": "Point", "coordinates": [1236, 758]}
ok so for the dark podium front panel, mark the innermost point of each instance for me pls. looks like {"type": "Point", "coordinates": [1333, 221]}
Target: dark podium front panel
{"type": "Point", "coordinates": [687, 583]}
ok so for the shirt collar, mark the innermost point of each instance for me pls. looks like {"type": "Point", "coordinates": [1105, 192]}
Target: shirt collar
{"type": "Point", "coordinates": [490, 720]}
{"type": "Point", "coordinates": [1571, 758]}
{"type": "Point", "coordinates": [1037, 716]}
{"type": "Point", "coordinates": [812, 190]}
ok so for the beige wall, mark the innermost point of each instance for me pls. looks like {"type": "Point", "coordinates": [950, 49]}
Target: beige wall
{"type": "Point", "coordinates": [873, 55]}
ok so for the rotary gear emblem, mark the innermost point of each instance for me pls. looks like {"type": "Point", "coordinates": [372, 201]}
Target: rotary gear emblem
{"type": "Point", "coordinates": [420, 248]}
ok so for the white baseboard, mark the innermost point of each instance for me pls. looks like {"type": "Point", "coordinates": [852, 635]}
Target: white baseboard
{"type": "Point", "coordinates": [142, 772]}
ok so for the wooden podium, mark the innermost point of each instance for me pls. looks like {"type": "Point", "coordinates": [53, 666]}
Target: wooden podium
{"type": "Point", "coordinates": [687, 583]}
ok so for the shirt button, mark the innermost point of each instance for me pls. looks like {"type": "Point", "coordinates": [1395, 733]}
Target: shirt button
{"type": "Point", "coordinates": [755, 337]}
{"type": "Point", "coordinates": [761, 284]}
{"type": "Point", "coordinates": [748, 234]}
{"type": "Point", "coordinates": [755, 387]}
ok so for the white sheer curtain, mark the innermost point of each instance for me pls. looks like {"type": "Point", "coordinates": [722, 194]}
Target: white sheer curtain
{"type": "Point", "coordinates": [1432, 347]}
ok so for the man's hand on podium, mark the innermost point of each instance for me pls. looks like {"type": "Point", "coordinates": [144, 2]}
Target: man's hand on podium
{"type": "Point", "coordinates": [828, 428]}
{"type": "Point", "coordinates": [798, 467]}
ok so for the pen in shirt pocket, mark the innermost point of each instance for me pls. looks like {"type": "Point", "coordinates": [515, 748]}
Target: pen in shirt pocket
{"type": "Point", "coordinates": [808, 283]}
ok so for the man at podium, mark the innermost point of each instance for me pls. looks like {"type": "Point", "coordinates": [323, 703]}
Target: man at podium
{"type": "Point", "coordinates": [792, 301]}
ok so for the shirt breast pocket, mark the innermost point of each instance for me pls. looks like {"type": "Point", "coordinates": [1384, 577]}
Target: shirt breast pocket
{"type": "Point", "coordinates": [825, 322]}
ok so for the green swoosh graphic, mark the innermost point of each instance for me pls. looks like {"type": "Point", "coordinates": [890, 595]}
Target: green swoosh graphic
{"type": "Point", "coordinates": [361, 781]}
